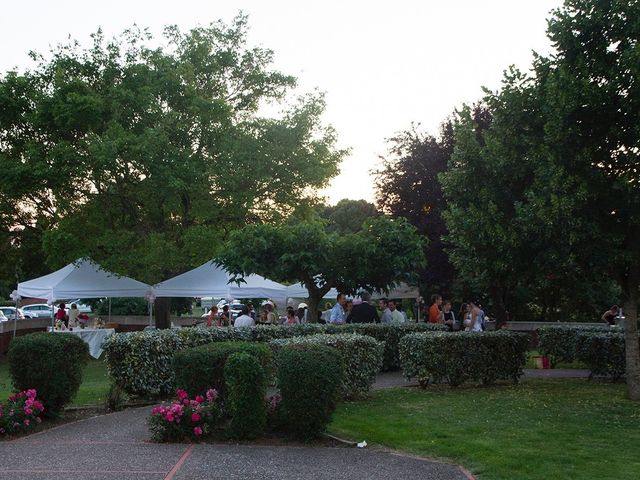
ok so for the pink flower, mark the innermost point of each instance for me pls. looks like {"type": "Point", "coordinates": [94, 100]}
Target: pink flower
{"type": "Point", "coordinates": [195, 417]}
{"type": "Point", "coordinates": [26, 422]}
{"type": "Point", "coordinates": [197, 431]}
{"type": "Point", "coordinates": [199, 398]}
{"type": "Point", "coordinates": [212, 394]}
{"type": "Point", "coordinates": [31, 393]}
{"type": "Point", "coordinates": [181, 394]}
{"type": "Point", "coordinates": [38, 419]}
{"type": "Point", "coordinates": [168, 418]}
{"type": "Point", "coordinates": [185, 401]}
{"type": "Point", "coordinates": [28, 411]}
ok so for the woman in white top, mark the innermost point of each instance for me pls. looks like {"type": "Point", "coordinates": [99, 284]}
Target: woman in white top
{"type": "Point", "coordinates": [73, 315]}
{"type": "Point", "coordinates": [476, 317]}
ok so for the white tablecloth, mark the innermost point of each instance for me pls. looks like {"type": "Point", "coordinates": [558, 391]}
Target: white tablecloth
{"type": "Point", "coordinates": [94, 337]}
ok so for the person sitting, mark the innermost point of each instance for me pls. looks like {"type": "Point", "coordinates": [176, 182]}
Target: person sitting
{"type": "Point", "coordinates": [73, 315]}
{"type": "Point", "coordinates": [609, 317]}
{"type": "Point", "coordinates": [61, 314]}
{"type": "Point", "coordinates": [363, 312]}
{"type": "Point", "coordinates": [292, 319]}
{"type": "Point", "coordinates": [244, 320]}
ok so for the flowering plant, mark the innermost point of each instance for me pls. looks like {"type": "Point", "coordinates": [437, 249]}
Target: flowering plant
{"type": "Point", "coordinates": [21, 412]}
{"type": "Point", "coordinates": [185, 418]}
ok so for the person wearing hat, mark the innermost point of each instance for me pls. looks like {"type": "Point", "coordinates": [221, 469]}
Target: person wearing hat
{"type": "Point", "coordinates": [302, 312]}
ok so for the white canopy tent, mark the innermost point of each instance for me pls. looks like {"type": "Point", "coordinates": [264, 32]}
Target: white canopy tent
{"type": "Point", "coordinates": [401, 291]}
{"type": "Point", "coordinates": [84, 279]}
{"type": "Point", "coordinates": [212, 280]}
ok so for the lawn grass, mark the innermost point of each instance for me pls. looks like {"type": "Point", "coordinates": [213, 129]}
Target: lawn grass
{"type": "Point", "coordinates": [541, 429]}
{"type": "Point", "coordinates": [93, 391]}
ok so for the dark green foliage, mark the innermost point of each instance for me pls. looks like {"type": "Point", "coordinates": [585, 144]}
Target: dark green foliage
{"type": "Point", "coordinates": [51, 363]}
{"type": "Point", "coordinates": [201, 368]}
{"type": "Point", "coordinates": [559, 342]}
{"type": "Point", "coordinates": [246, 385]}
{"type": "Point", "coordinates": [455, 358]}
{"type": "Point", "coordinates": [603, 352]}
{"type": "Point", "coordinates": [309, 378]}
{"type": "Point", "coordinates": [123, 306]}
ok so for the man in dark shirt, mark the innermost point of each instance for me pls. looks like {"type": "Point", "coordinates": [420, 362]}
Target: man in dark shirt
{"type": "Point", "coordinates": [364, 313]}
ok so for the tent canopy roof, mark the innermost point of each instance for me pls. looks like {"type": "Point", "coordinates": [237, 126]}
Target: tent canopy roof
{"type": "Point", "coordinates": [84, 279]}
{"type": "Point", "coordinates": [212, 280]}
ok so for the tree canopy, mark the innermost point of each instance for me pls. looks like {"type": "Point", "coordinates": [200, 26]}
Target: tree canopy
{"type": "Point", "coordinates": [145, 158]}
{"type": "Point", "coordinates": [381, 254]}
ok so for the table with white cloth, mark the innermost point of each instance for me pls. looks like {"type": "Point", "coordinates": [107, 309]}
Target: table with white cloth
{"type": "Point", "coordinates": [94, 337]}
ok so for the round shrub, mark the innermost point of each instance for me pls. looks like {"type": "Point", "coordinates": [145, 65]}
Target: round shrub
{"type": "Point", "coordinates": [50, 363]}
{"type": "Point", "coordinates": [201, 368]}
{"type": "Point", "coordinates": [603, 352]}
{"type": "Point", "coordinates": [309, 378]}
{"type": "Point", "coordinates": [246, 385]}
{"type": "Point", "coordinates": [361, 356]}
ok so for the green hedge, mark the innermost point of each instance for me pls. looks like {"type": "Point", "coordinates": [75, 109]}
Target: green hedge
{"type": "Point", "coordinates": [309, 378]}
{"type": "Point", "coordinates": [140, 362]}
{"type": "Point", "coordinates": [361, 355]}
{"type": "Point", "coordinates": [558, 342]}
{"type": "Point", "coordinates": [200, 368]}
{"type": "Point", "coordinates": [460, 357]}
{"type": "Point", "coordinates": [603, 352]}
{"type": "Point", "coordinates": [51, 363]}
{"type": "Point", "coordinates": [246, 386]}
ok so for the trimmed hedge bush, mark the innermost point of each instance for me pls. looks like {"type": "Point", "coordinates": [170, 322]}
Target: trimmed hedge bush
{"type": "Point", "coordinates": [390, 334]}
{"type": "Point", "coordinates": [246, 385]}
{"type": "Point", "coordinates": [140, 362]}
{"type": "Point", "coordinates": [361, 355]}
{"type": "Point", "coordinates": [603, 352]}
{"type": "Point", "coordinates": [201, 368]}
{"type": "Point", "coordinates": [558, 342]}
{"type": "Point", "coordinates": [309, 378]}
{"type": "Point", "coordinates": [51, 363]}
{"type": "Point", "coordinates": [455, 358]}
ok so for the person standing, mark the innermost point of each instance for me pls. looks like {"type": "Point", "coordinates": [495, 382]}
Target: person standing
{"type": "Point", "coordinates": [61, 314]}
{"type": "Point", "coordinates": [448, 316]}
{"type": "Point", "coordinates": [363, 312]}
{"type": "Point", "coordinates": [386, 317]}
{"type": "Point", "coordinates": [212, 319]}
{"type": "Point", "coordinates": [435, 315]}
{"type": "Point", "coordinates": [337, 316]}
{"type": "Point", "coordinates": [291, 317]}
{"type": "Point", "coordinates": [477, 317]}
{"type": "Point", "coordinates": [396, 315]}
{"type": "Point", "coordinates": [73, 315]}
{"type": "Point", "coordinates": [244, 320]}
{"type": "Point", "coordinates": [609, 317]}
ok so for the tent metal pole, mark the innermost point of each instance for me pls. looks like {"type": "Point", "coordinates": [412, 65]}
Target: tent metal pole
{"type": "Point", "coordinates": [109, 309]}
{"type": "Point", "coordinates": [15, 319]}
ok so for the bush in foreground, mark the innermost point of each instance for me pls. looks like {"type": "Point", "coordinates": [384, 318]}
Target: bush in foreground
{"type": "Point", "coordinates": [309, 378]}
{"type": "Point", "coordinates": [200, 368]}
{"type": "Point", "coordinates": [361, 355]}
{"type": "Point", "coordinates": [455, 358]}
{"type": "Point", "coordinates": [246, 388]}
{"type": "Point", "coordinates": [50, 363]}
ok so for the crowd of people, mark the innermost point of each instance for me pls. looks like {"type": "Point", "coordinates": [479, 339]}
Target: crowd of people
{"type": "Point", "coordinates": [471, 317]}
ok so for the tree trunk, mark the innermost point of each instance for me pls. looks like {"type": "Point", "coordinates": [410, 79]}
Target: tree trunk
{"type": "Point", "coordinates": [315, 298]}
{"type": "Point", "coordinates": [632, 349]}
{"type": "Point", "coordinates": [163, 312]}
{"type": "Point", "coordinates": [501, 313]}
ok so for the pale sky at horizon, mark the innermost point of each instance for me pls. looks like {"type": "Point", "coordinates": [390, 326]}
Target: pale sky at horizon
{"type": "Point", "coordinates": [383, 65]}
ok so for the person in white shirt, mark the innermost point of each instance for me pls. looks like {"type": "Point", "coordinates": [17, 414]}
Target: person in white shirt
{"type": "Point", "coordinates": [337, 312]}
{"type": "Point", "coordinates": [386, 317]}
{"type": "Point", "coordinates": [244, 320]}
{"type": "Point", "coordinates": [73, 315]}
{"type": "Point", "coordinates": [396, 315]}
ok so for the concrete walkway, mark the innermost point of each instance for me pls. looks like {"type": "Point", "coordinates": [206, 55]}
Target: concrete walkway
{"type": "Point", "coordinates": [116, 446]}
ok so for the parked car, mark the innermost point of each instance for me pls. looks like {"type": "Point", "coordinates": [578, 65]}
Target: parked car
{"type": "Point", "coordinates": [81, 306]}
{"type": "Point", "coordinates": [10, 313]}
{"type": "Point", "coordinates": [2, 317]}
{"type": "Point", "coordinates": [40, 310]}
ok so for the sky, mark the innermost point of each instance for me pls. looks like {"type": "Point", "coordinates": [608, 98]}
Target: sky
{"type": "Point", "coordinates": [383, 65]}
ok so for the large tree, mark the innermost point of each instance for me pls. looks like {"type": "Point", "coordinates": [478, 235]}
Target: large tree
{"type": "Point", "coordinates": [383, 253]}
{"type": "Point", "coordinates": [144, 158]}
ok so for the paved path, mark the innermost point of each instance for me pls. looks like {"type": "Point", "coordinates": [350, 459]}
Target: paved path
{"type": "Point", "coordinates": [116, 446]}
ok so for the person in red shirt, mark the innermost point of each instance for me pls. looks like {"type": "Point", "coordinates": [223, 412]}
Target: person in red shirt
{"type": "Point", "coordinates": [435, 315]}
